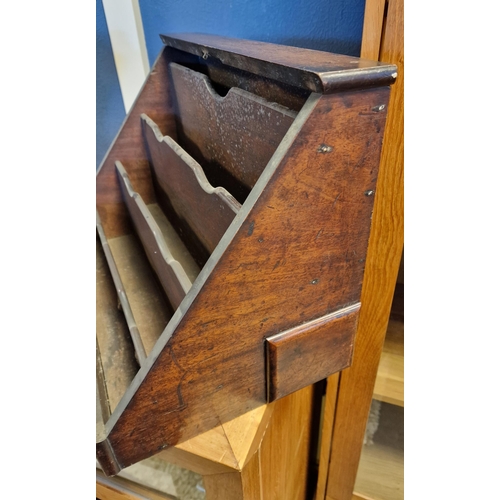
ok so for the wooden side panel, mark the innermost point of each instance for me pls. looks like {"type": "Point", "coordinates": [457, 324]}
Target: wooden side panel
{"type": "Point", "coordinates": [285, 450]}
{"type": "Point", "coordinates": [310, 352]}
{"type": "Point", "coordinates": [236, 134]}
{"type": "Point", "coordinates": [209, 211]}
{"type": "Point", "coordinates": [297, 253]}
{"type": "Point", "coordinates": [171, 274]}
{"type": "Point", "coordinates": [382, 265]}
{"type": "Point", "coordinates": [129, 147]}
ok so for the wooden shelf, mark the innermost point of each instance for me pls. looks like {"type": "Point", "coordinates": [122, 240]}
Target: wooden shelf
{"type": "Point", "coordinates": [389, 384]}
{"type": "Point", "coordinates": [381, 468]}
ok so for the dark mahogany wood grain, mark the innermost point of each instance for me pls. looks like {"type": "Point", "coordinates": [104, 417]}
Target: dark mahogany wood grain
{"type": "Point", "coordinates": [128, 146]}
{"type": "Point", "coordinates": [313, 70]}
{"type": "Point", "coordinates": [232, 137]}
{"type": "Point", "coordinates": [170, 272]}
{"type": "Point", "coordinates": [310, 352]}
{"type": "Point", "coordinates": [209, 211]}
{"type": "Point", "coordinates": [294, 253]}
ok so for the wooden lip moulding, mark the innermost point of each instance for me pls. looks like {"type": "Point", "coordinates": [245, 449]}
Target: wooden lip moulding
{"type": "Point", "coordinates": [233, 216]}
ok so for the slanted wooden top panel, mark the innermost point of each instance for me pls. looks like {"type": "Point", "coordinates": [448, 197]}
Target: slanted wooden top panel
{"type": "Point", "coordinates": [314, 70]}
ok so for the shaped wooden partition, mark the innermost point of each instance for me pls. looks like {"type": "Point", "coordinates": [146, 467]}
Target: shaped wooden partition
{"type": "Point", "coordinates": [234, 208]}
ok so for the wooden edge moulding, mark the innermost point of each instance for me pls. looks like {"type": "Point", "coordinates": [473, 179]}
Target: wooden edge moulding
{"type": "Point", "coordinates": [233, 217]}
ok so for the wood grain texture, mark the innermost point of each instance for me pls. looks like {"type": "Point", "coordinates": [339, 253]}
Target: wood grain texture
{"type": "Point", "coordinates": [310, 352]}
{"type": "Point", "coordinates": [116, 350]}
{"type": "Point", "coordinates": [208, 210]}
{"type": "Point", "coordinates": [313, 70]}
{"type": "Point", "coordinates": [151, 309]}
{"type": "Point", "coordinates": [384, 254]}
{"type": "Point", "coordinates": [330, 403]}
{"type": "Point", "coordinates": [278, 468]}
{"type": "Point", "coordinates": [232, 137]}
{"type": "Point", "coordinates": [225, 448]}
{"type": "Point", "coordinates": [129, 147]}
{"type": "Point", "coordinates": [170, 271]}
{"type": "Point", "coordinates": [295, 252]}
{"type": "Point", "coordinates": [389, 384]}
{"type": "Point", "coordinates": [285, 453]}
{"type": "Point", "coordinates": [122, 295]}
{"type": "Point", "coordinates": [372, 29]}
{"type": "Point", "coordinates": [119, 488]}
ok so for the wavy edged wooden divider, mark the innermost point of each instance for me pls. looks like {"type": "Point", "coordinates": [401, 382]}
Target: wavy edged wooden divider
{"type": "Point", "coordinates": [279, 270]}
{"type": "Point", "coordinates": [171, 273]}
{"type": "Point", "coordinates": [208, 210]}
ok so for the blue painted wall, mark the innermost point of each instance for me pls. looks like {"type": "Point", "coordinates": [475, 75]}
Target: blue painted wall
{"type": "Point", "coordinates": [331, 25]}
{"type": "Point", "coordinates": [110, 111]}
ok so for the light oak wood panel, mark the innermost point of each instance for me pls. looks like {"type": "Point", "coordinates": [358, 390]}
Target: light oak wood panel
{"type": "Point", "coordinates": [224, 449]}
{"type": "Point", "coordinates": [372, 29]}
{"type": "Point", "coordinates": [389, 384]}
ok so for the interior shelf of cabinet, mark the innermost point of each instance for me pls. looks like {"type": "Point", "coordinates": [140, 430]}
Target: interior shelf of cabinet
{"type": "Point", "coordinates": [389, 384]}
{"type": "Point", "coordinates": [381, 467]}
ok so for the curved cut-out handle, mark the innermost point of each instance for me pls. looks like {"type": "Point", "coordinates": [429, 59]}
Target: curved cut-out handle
{"type": "Point", "coordinates": [208, 210]}
{"type": "Point", "coordinates": [239, 132]}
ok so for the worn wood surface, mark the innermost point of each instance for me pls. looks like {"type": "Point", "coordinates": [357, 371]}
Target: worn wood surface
{"type": "Point", "coordinates": [129, 147]}
{"type": "Point", "coordinates": [170, 271]}
{"type": "Point", "coordinates": [122, 295]}
{"type": "Point", "coordinates": [313, 70]}
{"type": "Point", "coordinates": [148, 303]}
{"type": "Point", "coordinates": [208, 210]}
{"type": "Point", "coordinates": [382, 264]}
{"type": "Point", "coordinates": [116, 350]}
{"type": "Point", "coordinates": [232, 137]}
{"type": "Point", "coordinates": [310, 352]}
{"type": "Point", "coordinates": [295, 252]}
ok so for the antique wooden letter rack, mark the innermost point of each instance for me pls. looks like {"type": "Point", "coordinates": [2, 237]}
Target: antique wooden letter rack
{"type": "Point", "coordinates": [233, 216]}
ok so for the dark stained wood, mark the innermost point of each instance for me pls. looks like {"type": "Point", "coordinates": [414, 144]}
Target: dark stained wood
{"type": "Point", "coordinates": [122, 295]}
{"type": "Point", "coordinates": [232, 137]}
{"type": "Point", "coordinates": [208, 210]}
{"type": "Point", "coordinates": [295, 252]}
{"type": "Point", "coordinates": [310, 352]}
{"type": "Point", "coordinates": [171, 274]}
{"type": "Point", "coordinates": [313, 70]}
{"type": "Point", "coordinates": [128, 146]}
